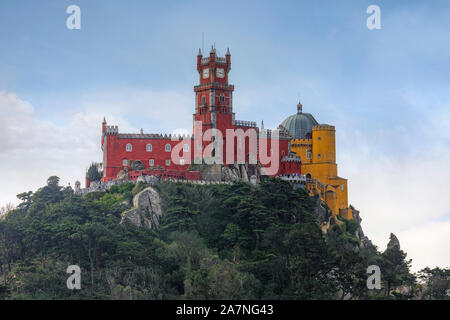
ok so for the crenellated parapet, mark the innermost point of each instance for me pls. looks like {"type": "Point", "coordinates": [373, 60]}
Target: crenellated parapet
{"type": "Point", "coordinates": [173, 137]}
{"type": "Point", "coordinates": [242, 123]}
{"type": "Point", "coordinates": [301, 142]}
{"type": "Point", "coordinates": [112, 130]}
{"type": "Point", "coordinates": [323, 127]}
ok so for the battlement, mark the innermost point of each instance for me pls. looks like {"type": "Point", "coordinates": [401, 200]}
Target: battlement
{"type": "Point", "coordinates": [241, 123]}
{"type": "Point", "coordinates": [323, 127]}
{"type": "Point", "coordinates": [301, 142]}
{"type": "Point", "coordinates": [112, 130]}
{"type": "Point", "coordinates": [154, 136]}
{"type": "Point", "coordinates": [205, 61]}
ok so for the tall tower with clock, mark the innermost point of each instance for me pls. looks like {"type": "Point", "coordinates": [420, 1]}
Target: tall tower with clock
{"type": "Point", "coordinates": [213, 95]}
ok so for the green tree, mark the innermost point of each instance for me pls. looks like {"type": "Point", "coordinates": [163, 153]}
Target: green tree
{"type": "Point", "coordinates": [93, 172]}
{"type": "Point", "coordinates": [436, 283]}
{"type": "Point", "coordinates": [395, 269]}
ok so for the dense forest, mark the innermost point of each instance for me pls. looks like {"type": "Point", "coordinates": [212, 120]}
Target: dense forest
{"type": "Point", "coordinates": [214, 242]}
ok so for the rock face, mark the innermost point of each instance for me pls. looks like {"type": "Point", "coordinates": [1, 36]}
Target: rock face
{"type": "Point", "coordinates": [122, 175]}
{"type": "Point", "coordinates": [233, 172]}
{"type": "Point", "coordinates": [147, 211]}
{"type": "Point", "coordinates": [393, 242]}
{"type": "Point", "coordinates": [364, 240]}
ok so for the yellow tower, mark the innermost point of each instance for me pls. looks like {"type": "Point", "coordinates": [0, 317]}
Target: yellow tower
{"type": "Point", "coordinates": [316, 145]}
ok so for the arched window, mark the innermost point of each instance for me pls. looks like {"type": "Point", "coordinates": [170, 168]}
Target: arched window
{"type": "Point", "coordinates": [151, 162]}
{"type": "Point", "coordinates": [168, 147]}
{"type": "Point", "coordinates": [124, 162]}
{"type": "Point", "coordinates": [148, 148]}
{"type": "Point", "coordinates": [167, 162]}
{"type": "Point", "coordinates": [308, 154]}
{"type": "Point", "coordinates": [129, 147]}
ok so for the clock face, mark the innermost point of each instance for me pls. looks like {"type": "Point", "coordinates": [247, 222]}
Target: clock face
{"type": "Point", "coordinates": [220, 73]}
{"type": "Point", "coordinates": [205, 73]}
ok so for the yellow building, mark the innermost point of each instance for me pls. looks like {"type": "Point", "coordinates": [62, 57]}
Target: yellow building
{"type": "Point", "coordinates": [316, 145]}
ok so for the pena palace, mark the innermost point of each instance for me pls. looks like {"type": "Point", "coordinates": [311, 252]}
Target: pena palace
{"type": "Point", "coordinates": [301, 150]}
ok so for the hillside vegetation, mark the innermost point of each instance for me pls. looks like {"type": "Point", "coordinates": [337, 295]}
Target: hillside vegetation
{"type": "Point", "coordinates": [214, 242]}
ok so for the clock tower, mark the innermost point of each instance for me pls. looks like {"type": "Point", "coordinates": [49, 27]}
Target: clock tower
{"type": "Point", "coordinates": [213, 95]}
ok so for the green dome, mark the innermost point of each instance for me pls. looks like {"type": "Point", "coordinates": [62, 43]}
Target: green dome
{"type": "Point", "coordinates": [300, 124]}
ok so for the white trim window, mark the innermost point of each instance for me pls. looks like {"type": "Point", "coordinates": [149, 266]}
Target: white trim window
{"type": "Point", "coordinates": [124, 162]}
{"type": "Point", "coordinates": [168, 148]}
{"type": "Point", "coordinates": [129, 147]}
{"type": "Point", "coordinates": [185, 147]}
{"type": "Point", "coordinates": [148, 147]}
{"type": "Point", "coordinates": [182, 162]}
{"type": "Point", "coordinates": [167, 162]}
{"type": "Point", "coordinates": [308, 154]}
{"type": "Point", "coordinates": [151, 163]}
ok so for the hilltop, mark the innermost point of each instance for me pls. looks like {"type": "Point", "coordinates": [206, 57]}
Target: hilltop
{"type": "Point", "coordinates": [218, 241]}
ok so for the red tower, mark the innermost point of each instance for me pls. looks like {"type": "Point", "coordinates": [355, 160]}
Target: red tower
{"type": "Point", "coordinates": [213, 95]}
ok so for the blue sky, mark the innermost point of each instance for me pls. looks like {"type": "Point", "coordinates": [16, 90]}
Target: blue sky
{"type": "Point", "coordinates": [386, 91]}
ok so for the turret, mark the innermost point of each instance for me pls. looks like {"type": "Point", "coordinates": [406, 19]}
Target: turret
{"type": "Point", "coordinates": [104, 125]}
{"type": "Point", "coordinates": [228, 58]}
{"type": "Point", "coordinates": [212, 54]}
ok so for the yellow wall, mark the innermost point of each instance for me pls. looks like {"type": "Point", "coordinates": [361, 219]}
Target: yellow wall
{"type": "Point", "coordinates": [321, 165]}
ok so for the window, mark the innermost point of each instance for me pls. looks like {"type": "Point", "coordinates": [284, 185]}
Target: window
{"type": "Point", "coordinates": [148, 148]}
{"type": "Point", "coordinates": [186, 147]}
{"type": "Point", "coordinates": [222, 98]}
{"type": "Point", "coordinates": [167, 162]}
{"type": "Point", "coordinates": [181, 162]}
{"type": "Point", "coordinates": [129, 147]}
{"type": "Point", "coordinates": [319, 138]}
{"type": "Point", "coordinates": [124, 162]}
{"type": "Point", "coordinates": [151, 162]}
{"type": "Point", "coordinates": [308, 154]}
{"type": "Point", "coordinates": [168, 148]}
{"type": "Point", "coordinates": [319, 156]}
{"type": "Point", "coordinates": [342, 187]}
{"type": "Point", "coordinates": [203, 100]}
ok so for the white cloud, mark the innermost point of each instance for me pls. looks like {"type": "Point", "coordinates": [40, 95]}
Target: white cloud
{"type": "Point", "coordinates": [155, 111]}
{"type": "Point", "coordinates": [398, 179]}
{"type": "Point", "coordinates": [32, 149]}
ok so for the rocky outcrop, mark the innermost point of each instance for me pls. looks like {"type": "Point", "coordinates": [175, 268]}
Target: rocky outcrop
{"type": "Point", "coordinates": [364, 240]}
{"type": "Point", "coordinates": [122, 175]}
{"type": "Point", "coordinates": [393, 242]}
{"type": "Point", "coordinates": [231, 173]}
{"type": "Point", "coordinates": [147, 211]}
